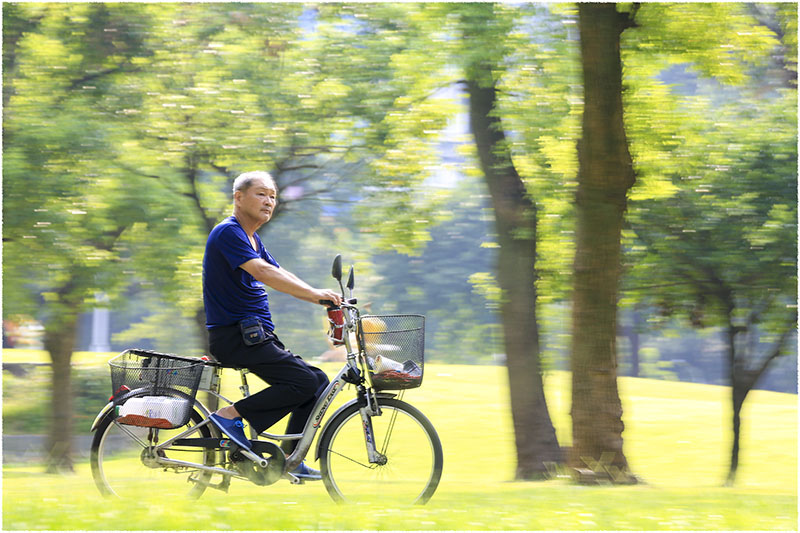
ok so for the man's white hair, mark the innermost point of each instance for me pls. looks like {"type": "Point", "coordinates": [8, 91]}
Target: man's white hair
{"type": "Point", "coordinates": [244, 181]}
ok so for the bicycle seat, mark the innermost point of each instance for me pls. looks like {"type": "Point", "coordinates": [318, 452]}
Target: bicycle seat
{"type": "Point", "coordinates": [213, 361]}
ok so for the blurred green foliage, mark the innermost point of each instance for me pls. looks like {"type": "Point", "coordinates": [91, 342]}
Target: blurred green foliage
{"type": "Point", "coordinates": [26, 398]}
{"type": "Point", "coordinates": [124, 125]}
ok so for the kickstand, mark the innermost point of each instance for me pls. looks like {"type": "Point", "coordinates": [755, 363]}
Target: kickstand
{"type": "Point", "coordinates": [223, 485]}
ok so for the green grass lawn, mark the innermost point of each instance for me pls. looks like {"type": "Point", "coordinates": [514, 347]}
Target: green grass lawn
{"type": "Point", "coordinates": [677, 439]}
{"type": "Point", "coordinates": [41, 356]}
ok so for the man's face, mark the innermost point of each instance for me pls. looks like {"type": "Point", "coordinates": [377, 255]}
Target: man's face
{"type": "Point", "coordinates": [259, 201]}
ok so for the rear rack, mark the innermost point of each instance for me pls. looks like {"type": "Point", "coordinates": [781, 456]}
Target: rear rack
{"type": "Point", "coordinates": [148, 353]}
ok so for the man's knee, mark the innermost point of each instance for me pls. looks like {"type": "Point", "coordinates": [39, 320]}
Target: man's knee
{"type": "Point", "coordinates": [307, 383]}
{"type": "Point", "coordinates": [322, 377]}
{"type": "Point", "coordinates": [313, 387]}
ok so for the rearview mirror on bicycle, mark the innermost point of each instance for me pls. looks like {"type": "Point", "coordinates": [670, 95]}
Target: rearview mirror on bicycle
{"type": "Point", "coordinates": [336, 269]}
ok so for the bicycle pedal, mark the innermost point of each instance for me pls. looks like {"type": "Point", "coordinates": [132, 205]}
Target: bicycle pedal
{"type": "Point", "coordinates": [294, 480]}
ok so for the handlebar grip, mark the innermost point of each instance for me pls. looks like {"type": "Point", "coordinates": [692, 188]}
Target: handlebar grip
{"type": "Point", "coordinates": [330, 304]}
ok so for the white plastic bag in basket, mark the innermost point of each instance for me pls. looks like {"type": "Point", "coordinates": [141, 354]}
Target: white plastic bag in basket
{"type": "Point", "coordinates": [153, 411]}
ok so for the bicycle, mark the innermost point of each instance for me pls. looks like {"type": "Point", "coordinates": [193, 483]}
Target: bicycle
{"type": "Point", "coordinates": [374, 447]}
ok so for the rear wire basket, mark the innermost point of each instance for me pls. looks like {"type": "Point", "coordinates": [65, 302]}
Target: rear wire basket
{"type": "Point", "coordinates": [394, 346]}
{"type": "Point", "coordinates": [156, 376]}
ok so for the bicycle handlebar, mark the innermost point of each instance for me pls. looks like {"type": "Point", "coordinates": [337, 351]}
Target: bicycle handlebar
{"type": "Point", "coordinates": [345, 303]}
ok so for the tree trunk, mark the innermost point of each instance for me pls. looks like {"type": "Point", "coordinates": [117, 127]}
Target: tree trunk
{"type": "Point", "coordinates": [739, 393]}
{"type": "Point", "coordinates": [743, 379]}
{"type": "Point", "coordinates": [202, 331]}
{"type": "Point", "coordinates": [211, 401]}
{"type": "Point", "coordinates": [736, 397]}
{"type": "Point", "coordinates": [59, 341]}
{"type": "Point", "coordinates": [605, 174]}
{"type": "Point", "coordinates": [515, 220]}
{"type": "Point", "coordinates": [633, 337]}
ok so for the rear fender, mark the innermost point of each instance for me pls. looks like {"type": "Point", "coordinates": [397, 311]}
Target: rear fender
{"type": "Point", "coordinates": [109, 406]}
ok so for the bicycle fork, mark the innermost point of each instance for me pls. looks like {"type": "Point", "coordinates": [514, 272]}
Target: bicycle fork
{"type": "Point", "coordinates": [367, 412]}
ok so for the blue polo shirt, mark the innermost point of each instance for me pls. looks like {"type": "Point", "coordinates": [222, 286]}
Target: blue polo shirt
{"type": "Point", "coordinates": [229, 292]}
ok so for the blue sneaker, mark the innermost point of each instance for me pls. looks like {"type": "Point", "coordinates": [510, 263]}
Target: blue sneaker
{"type": "Point", "coordinates": [233, 428]}
{"type": "Point", "coordinates": [304, 471]}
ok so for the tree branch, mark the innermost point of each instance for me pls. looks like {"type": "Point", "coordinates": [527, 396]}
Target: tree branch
{"type": "Point", "coordinates": [190, 173]}
{"type": "Point", "coordinates": [100, 73]}
{"type": "Point", "coordinates": [297, 167]}
{"type": "Point", "coordinates": [225, 171]}
{"type": "Point", "coordinates": [777, 349]}
{"type": "Point", "coordinates": [107, 240]}
{"type": "Point", "coordinates": [629, 20]}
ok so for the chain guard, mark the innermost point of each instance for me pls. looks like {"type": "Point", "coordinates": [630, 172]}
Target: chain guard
{"type": "Point", "coordinates": [258, 475]}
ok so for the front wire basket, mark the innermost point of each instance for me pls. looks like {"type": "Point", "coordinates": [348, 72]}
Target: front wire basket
{"type": "Point", "coordinates": [394, 346]}
{"type": "Point", "coordinates": [152, 389]}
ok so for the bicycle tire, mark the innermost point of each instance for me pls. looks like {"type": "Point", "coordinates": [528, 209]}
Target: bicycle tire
{"type": "Point", "coordinates": [119, 467]}
{"type": "Point", "coordinates": [403, 434]}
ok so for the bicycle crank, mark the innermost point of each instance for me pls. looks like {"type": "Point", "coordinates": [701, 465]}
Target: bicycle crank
{"type": "Point", "coordinates": [276, 462]}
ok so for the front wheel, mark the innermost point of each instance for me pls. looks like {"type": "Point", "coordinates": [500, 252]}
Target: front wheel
{"type": "Point", "coordinates": [125, 462]}
{"type": "Point", "coordinates": [411, 456]}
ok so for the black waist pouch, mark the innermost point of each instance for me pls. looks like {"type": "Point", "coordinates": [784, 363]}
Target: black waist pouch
{"type": "Point", "coordinates": [252, 331]}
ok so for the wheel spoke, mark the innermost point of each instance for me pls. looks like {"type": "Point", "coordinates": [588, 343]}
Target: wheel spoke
{"type": "Point", "coordinates": [124, 429]}
{"type": "Point", "coordinates": [389, 430]}
{"type": "Point", "coordinates": [359, 463]}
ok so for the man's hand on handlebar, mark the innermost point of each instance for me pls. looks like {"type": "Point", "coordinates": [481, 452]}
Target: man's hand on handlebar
{"type": "Point", "coordinates": [327, 297]}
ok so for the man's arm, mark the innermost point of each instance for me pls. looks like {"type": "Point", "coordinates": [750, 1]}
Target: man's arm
{"type": "Point", "coordinates": [282, 280]}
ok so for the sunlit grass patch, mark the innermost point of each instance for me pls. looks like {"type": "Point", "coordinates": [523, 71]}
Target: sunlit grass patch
{"type": "Point", "coordinates": [676, 438]}
{"type": "Point", "coordinates": [71, 503]}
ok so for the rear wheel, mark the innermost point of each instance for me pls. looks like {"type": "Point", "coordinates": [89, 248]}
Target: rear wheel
{"type": "Point", "coordinates": [125, 461]}
{"type": "Point", "coordinates": [410, 465]}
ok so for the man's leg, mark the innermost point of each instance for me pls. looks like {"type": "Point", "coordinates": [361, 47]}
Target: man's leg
{"type": "Point", "coordinates": [292, 381]}
{"type": "Point", "coordinates": [292, 384]}
{"type": "Point", "coordinates": [300, 415]}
